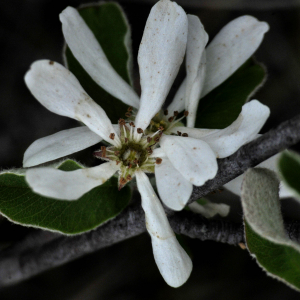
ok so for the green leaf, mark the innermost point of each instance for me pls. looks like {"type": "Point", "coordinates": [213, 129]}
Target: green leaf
{"type": "Point", "coordinates": [289, 167]}
{"type": "Point", "coordinates": [21, 205]}
{"type": "Point", "coordinates": [110, 27]}
{"type": "Point", "coordinates": [221, 106]}
{"type": "Point", "coordinates": [265, 235]}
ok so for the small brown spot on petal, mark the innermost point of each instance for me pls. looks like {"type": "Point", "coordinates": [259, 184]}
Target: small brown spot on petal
{"type": "Point", "coordinates": [51, 62]}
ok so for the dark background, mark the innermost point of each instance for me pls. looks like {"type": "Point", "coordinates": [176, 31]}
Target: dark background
{"type": "Point", "coordinates": [30, 30]}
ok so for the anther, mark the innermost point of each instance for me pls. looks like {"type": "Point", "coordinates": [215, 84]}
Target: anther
{"type": "Point", "coordinates": [156, 139]}
{"type": "Point", "coordinates": [103, 150]}
{"type": "Point", "coordinates": [166, 112]}
{"type": "Point", "coordinates": [129, 108]}
{"type": "Point", "coordinates": [126, 140]}
{"type": "Point", "coordinates": [175, 113]}
{"type": "Point", "coordinates": [149, 150]}
{"type": "Point", "coordinates": [128, 114]}
{"type": "Point", "coordinates": [158, 161]}
{"type": "Point", "coordinates": [122, 181]}
{"type": "Point", "coordinates": [171, 119]}
{"type": "Point", "coordinates": [132, 124]}
{"type": "Point", "coordinates": [116, 153]}
{"type": "Point", "coordinates": [149, 139]}
{"type": "Point", "coordinates": [130, 166]}
{"type": "Point", "coordinates": [117, 162]}
{"type": "Point", "coordinates": [186, 113]}
{"type": "Point", "coordinates": [136, 161]}
{"type": "Point", "coordinates": [128, 177]}
{"type": "Point", "coordinates": [112, 136]}
{"type": "Point", "coordinates": [140, 130]}
{"type": "Point", "coordinates": [161, 128]}
{"type": "Point", "coordinates": [185, 135]}
{"type": "Point", "coordinates": [122, 122]}
{"type": "Point", "coordinates": [179, 133]}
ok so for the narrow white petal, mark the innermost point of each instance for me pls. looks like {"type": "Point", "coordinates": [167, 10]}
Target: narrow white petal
{"type": "Point", "coordinates": [58, 90]}
{"type": "Point", "coordinates": [231, 47]}
{"type": "Point", "coordinates": [160, 55]}
{"type": "Point", "coordinates": [195, 66]}
{"type": "Point", "coordinates": [174, 190]}
{"type": "Point", "coordinates": [172, 261]}
{"type": "Point", "coordinates": [210, 209]}
{"type": "Point", "coordinates": [226, 141]}
{"type": "Point", "coordinates": [178, 103]}
{"type": "Point", "coordinates": [235, 185]}
{"type": "Point", "coordinates": [59, 144]}
{"type": "Point", "coordinates": [71, 185]}
{"type": "Point", "coordinates": [89, 53]}
{"type": "Point", "coordinates": [193, 158]}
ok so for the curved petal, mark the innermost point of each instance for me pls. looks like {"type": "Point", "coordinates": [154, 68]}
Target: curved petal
{"type": "Point", "coordinates": [71, 185]}
{"type": "Point", "coordinates": [89, 53]}
{"type": "Point", "coordinates": [231, 47]}
{"type": "Point", "coordinates": [59, 144]}
{"type": "Point", "coordinates": [58, 90]}
{"type": "Point", "coordinates": [174, 190]}
{"type": "Point", "coordinates": [160, 55]}
{"type": "Point", "coordinates": [193, 158]}
{"type": "Point", "coordinates": [235, 185]}
{"type": "Point", "coordinates": [178, 103]}
{"type": "Point", "coordinates": [158, 152]}
{"type": "Point", "coordinates": [226, 141]}
{"type": "Point", "coordinates": [172, 261]}
{"type": "Point", "coordinates": [195, 66]}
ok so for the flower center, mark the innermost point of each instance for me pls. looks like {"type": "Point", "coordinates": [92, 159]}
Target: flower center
{"type": "Point", "coordinates": [131, 155]}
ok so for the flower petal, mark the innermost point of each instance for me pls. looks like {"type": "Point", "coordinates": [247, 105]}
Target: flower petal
{"type": "Point", "coordinates": [172, 261]}
{"type": "Point", "coordinates": [59, 144]}
{"type": "Point", "coordinates": [210, 209]}
{"type": "Point", "coordinates": [178, 103]}
{"type": "Point", "coordinates": [174, 190]}
{"type": "Point", "coordinates": [196, 133]}
{"type": "Point", "coordinates": [59, 91]}
{"type": "Point", "coordinates": [160, 55]}
{"type": "Point", "coordinates": [90, 55]}
{"type": "Point", "coordinates": [195, 66]}
{"type": "Point", "coordinates": [71, 185]}
{"type": "Point", "coordinates": [193, 158]}
{"type": "Point", "coordinates": [231, 47]}
{"type": "Point", "coordinates": [235, 185]}
{"type": "Point", "coordinates": [226, 141]}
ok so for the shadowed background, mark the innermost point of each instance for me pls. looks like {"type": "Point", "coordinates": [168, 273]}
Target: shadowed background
{"type": "Point", "coordinates": [30, 30]}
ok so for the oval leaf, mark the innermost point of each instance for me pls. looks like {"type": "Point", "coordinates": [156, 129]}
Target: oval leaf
{"type": "Point", "coordinates": [110, 27]}
{"type": "Point", "coordinates": [264, 229]}
{"type": "Point", "coordinates": [20, 205]}
{"type": "Point", "coordinates": [221, 107]}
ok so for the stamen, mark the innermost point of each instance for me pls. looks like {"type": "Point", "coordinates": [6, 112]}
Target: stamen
{"type": "Point", "coordinates": [185, 135]}
{"type": "Point", "coordinates": [175, 113]}
{"type": "Point", "coordinates": [149, 139]}
{"type": "Point", "coordinates": [129, 108]}
{"type": "Point", "coordinates": [140, 130]}
{"type": "Point", "coordinates": [128, 114]}
{"type": "Point", "coordinates": [156, 139]}
{"type": "Point", "coordinates": [158, 161]}
{"type": "Point", "coordinates": [122, 181]}
{"type": "Point", "coordinates": [179, 133]}
{"type": "Point", "coordinates": [166, 112]}
{"type": "Point", "coordinates": [132, 124]}
{"type": "Point", "coordinates": [126, 140]}
{"type": "Point", "coordinates": [116, 153]}
{"type": "Point", "coordinates": [112, 136]}
{"type": "Point", "coordinates": [128, 177]}
{"type": "Point", "coordinates": [161, 128]}
{"type": "Point", "coordinates": [149, 150]}
{"type": "Point", "coordinates": [122, 122]}
{"type": "Point", "coordinates": [171, 119]}
{"type": "Point", "coordinates": [103, 149]}
{"type": "Point", "coordinates": [186, 113]}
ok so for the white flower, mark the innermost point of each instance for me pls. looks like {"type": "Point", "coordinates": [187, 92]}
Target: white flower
{"type": "Point", "coordinates": [185, 160]}
{"type": "Point", "coordinates": [160, 55]}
